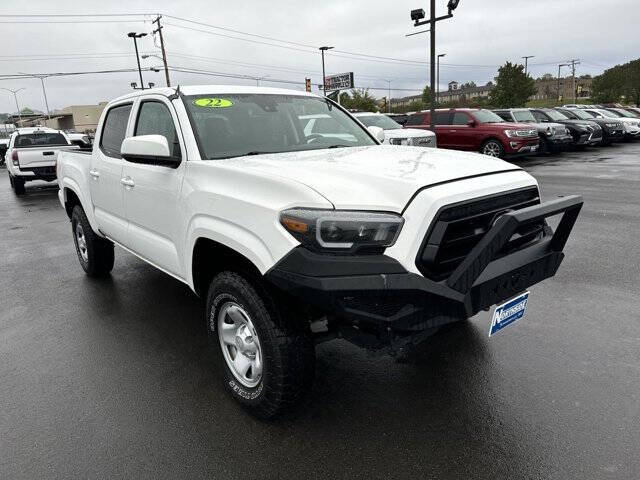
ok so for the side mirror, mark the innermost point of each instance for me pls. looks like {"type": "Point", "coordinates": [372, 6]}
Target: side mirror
{"type": "Point", "coordinates": [148, 149]}
{"type": "Point", "coordinates": [377, 132]}
{"type": "Point", "coordinates": [471, 123]}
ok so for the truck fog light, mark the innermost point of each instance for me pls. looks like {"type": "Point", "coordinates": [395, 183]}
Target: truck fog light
{"type": "Point", "coordinates": [514, 144]}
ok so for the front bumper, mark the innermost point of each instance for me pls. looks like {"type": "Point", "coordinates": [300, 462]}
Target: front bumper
{"type": "Point", "coordinates": [375, 291]}
{"type": "Point", "coordinates": [518, 147]}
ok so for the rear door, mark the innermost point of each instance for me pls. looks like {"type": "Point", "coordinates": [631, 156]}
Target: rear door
{"type": "Point", "coordinates": [151, 197]}
{"type": "Point", "coordinates": [106, 174]}
{"type": "Point", "coordinates": [462, 135]}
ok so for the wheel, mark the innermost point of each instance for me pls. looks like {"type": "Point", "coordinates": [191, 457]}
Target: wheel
{"type": "Point", "coordinates": [268, 358]}
{"type": "Point", "coordinates": [493, 148]}
{"type": "Point", "coordinates": [545, 148]}
{"type": "Point", "coordinates": [18, 185]}
{"type": "Point", "coordinates": [95, 253]}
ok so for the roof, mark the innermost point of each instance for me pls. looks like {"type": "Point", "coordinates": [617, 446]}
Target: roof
{"type": "Point", "coordinates": [368, 114]}
{"type": "Point", "coordinates": [27, 130]}
{"type": "Point", "coordinates": [216, 90]}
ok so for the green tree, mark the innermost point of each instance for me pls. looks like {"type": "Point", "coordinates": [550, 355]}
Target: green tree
{"type": "Point", "coordinates": [426, 95]}
{"type": "Point", "coordinates": [621, 82]}
{"type": "Point", "coordinates": [467, 85]}
{"type": "Point", "coordinates": [359, 99]}
{"type": "Point", "coordinates": [513, 88]}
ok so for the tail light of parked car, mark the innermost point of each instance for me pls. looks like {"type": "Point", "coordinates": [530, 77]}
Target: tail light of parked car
{"type": "Point", "coordinates": [14, 158]}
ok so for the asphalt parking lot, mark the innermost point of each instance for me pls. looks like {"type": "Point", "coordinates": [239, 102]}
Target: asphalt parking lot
{"type": "Point", "coordinates": [113, 379]}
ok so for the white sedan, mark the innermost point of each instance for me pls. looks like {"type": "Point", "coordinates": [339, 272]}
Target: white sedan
{"type": "Point", "coordinates": [394, 134]}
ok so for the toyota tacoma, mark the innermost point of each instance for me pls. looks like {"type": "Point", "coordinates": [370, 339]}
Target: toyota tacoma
{"type": "Point", "coordinates": [297, 237]}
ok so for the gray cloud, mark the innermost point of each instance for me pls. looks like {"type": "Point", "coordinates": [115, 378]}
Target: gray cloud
{"type": "Point", "coordinates": [486, 32]}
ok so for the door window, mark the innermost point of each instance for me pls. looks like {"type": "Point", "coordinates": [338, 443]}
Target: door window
{"type": "Point", "coordinates": [154, 118]}
{"type": "Point", "coordinates": [416, 119]}
{"type": "Point", "coordinates": [114, 130]}
{"type": "Point", "coordinates": [460, 118]}
{"type": "Point", "coordinates": [442, 118]}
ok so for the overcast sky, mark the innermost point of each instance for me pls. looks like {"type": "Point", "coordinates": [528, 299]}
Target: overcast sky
{"type": "Point", "coordinates": [482, 35]}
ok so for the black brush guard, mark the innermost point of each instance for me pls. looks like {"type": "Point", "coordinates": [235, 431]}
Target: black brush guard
{"type": "Point", "coordinates": [377, 291]}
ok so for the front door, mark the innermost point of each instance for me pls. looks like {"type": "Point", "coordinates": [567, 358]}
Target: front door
{"type": "Point", "coordinates": [151, 193]}
{"type": "Point", "coordinates": [105, 174]}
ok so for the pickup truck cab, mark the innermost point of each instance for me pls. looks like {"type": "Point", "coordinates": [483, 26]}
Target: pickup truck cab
{"type": "Point", "coordinates": [293, 237]}
{"type": "Point", "coordinates": [478, 130]}
{"type": "Point", "coordinates": [32, 155]}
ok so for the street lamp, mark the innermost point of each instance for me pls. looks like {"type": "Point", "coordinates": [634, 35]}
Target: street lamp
{"type": "Point", "coordinates": [559, 67]}
{"type": "Point", "coordinates": [438, 79]}
{"type": "Point", "coordinates": [135, 37]}
{"type": "Point", "coordinates": [417, 16]}
{"type": "Point", "coordinates": [526, 62]}
{"type": "Point", "coordinates": [15, 96]}
{"type": "Point", "coordinates": [324, 78]}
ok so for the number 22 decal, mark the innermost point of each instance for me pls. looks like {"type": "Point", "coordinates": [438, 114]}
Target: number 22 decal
{"type": "Point", "coordinates": [212, 102]}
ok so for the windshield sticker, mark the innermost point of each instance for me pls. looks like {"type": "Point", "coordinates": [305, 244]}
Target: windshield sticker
{"type": "Point", "coordinates": [212, 102]}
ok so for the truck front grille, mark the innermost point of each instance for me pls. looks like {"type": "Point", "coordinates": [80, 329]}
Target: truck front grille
{"type": "Point", "coordinates": [459, 227]}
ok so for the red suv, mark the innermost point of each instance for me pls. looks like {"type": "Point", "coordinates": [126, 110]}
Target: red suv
{"type": "Point", "coordinates": [478, 130]}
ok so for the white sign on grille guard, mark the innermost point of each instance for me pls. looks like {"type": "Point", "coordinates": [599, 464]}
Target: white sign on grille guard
{"type": "Point", "coordinates": [341, 81]}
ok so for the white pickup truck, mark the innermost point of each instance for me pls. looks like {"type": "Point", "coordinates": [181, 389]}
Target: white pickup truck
{"type": "Point", "coordinates": [32, 154]}
{"type": "Point", "coordinates": [293, 236]}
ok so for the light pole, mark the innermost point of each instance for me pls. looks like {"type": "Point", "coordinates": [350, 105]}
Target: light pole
{"type": "Point", "coordinates": [417, 16]}
{"type": "Point", "coordinates": [389, 97]}
{"type": "Point", "coordinates": [526, 63]}
{"type": "Point", "coordinates": [560, 66]}
{"type": "Point", "coordinates": [135, 37]}
{"type": "Point", "coordinates": [324, 78]}
{"type": "Point", "coordinates": [15, 96]}
{"type": "Point", "coordinates": [44, 91]}
{"type": "Point", "coordinates": [438, 79]}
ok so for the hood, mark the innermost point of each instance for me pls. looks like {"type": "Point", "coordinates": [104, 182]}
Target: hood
{"type": "Point", "coordinates": [408, 133]}
{"type": "Point", "coordinates": [380, 177]}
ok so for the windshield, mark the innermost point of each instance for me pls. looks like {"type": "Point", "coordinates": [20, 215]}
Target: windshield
{"type": "Point", "coordinates": [40, 139]}
{"type": "Point", "coordinates": [486, 116]}
{"type": "Point", "coordinates": [624, 113]}
{"type": "Point", "coordinates": [555, 115]}
{"type": "Point", "coordinates": [582, 115]}
{"type": "Point", "coordinates": [249, 124]}
{"type": "Point", "coordinates": [523, 116]}
{"type": "Point", "coordinates": [609, 113]}
{"type": "Point", "coordinates": [381, 121]}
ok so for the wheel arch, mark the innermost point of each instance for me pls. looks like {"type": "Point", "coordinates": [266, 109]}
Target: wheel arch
{"type": "Point", "coordinates": [210, 257]}
{"type": "Point", "coordinates": [72, 196]}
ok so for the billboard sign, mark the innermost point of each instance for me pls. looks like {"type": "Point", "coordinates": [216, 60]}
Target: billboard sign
{"type": "Point", "coordinates": [342, 81]}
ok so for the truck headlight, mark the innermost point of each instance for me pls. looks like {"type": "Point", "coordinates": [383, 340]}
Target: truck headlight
{"type": "Point", "coordinates": [342, 231]}
{"type": "Point", "coordinates": [398, 141]}
{"type": "Point", "coordinates": [549, 131]}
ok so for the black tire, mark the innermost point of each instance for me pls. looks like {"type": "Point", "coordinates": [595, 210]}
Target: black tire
{"type": "Point", "coordinates": [18, 185]}
{"type": "Point", "coordinates": [96, 255]}
{"type": "Point", "coordinates": [285, 348]}
{"type": "Point", "coordinates": [494, 147]}
{"type": "Point", "coordinates": [545, 147]}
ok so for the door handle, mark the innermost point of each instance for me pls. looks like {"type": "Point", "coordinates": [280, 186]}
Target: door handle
{"type": "Point", "coordinates": [127, 182]}
{"type": "Point", "coordinates": [48, 153]}
{"type": "Point", "coordinates": [94, 173]}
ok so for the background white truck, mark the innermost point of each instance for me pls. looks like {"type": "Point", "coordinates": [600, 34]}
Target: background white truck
{"type": "Point", "coordinates": [32, 155]}
{"type": "Point", "coordinates": [293, 236]}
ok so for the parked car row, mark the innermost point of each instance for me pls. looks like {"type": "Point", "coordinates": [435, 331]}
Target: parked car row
{"type": "Point", "coordinates": [513, 132]}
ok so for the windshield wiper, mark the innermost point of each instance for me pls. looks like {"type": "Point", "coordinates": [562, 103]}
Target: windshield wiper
{"type": "Point", "coordinates": [338, 146]}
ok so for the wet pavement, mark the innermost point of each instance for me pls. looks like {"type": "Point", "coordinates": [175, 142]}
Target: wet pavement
{"type": "Point", "coordinates": [113, 378]}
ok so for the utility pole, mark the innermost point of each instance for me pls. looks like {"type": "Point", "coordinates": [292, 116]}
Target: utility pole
{"type": "Point", "coordinates": [135, 37]}
{"type": "Point", "coordinates": [164, 53]}
{"type": "Point", "coordinates": [573, 62]}
{"type": "Point", "coordinates": [15, 96]}
{"type": "Point", "coordinates": [526, 63]}
{"type": "Point", "coordinates": [438, 79]}
{"type": "Point", "coordinates": [324, 78]}
{"type": "Point", "coordinates": [417, 16]}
